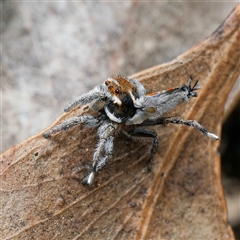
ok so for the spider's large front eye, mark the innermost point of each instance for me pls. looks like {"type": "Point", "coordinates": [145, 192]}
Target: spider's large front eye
{"type": "Point", "coordinates": [117, 91]}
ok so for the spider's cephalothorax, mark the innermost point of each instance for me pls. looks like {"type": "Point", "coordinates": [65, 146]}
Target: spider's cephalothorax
{"type": "Point", "coordinates": [124, 92]}
{"type": "Point", "coordinates": [120, 101]}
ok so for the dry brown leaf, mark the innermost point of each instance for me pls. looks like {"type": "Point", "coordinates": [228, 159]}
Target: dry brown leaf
{"type": "Point", "coordinates": [180, 198]}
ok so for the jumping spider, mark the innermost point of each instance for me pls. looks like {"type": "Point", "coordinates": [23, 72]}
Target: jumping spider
{"type": "Point", "coordinates": [119, 102]}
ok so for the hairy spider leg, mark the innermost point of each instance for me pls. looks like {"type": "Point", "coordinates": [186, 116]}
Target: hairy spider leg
{"type": "Point", "coordinates": [155, 104]}
{"type": "Point", "coordinates": [143, 134]}
{"type": "Point", "coordinates": [104, 145]}
{"type": "Point", "coordinates": [98, 93]}
{"type": "Point", "coordinates": [176, 120]}
{"type": "Point", "coordinates": [87, 120]}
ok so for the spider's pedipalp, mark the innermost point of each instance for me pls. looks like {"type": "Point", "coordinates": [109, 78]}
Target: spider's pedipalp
{"type": "Point", "coordinates": [140, 89]}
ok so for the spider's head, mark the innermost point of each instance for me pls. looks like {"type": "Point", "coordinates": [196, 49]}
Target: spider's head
{"type": "Point", "coordinates": [121, 90]}
{"type": "Point", "coordinates": [121, 103]}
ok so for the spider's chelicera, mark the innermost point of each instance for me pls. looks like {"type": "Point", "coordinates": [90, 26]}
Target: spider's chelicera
{"type": "Point", "coordinates": [119, 102]}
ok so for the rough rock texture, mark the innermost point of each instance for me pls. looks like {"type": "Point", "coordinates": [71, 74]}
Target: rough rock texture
{"type": "Point", "coordinates": [53, 52]}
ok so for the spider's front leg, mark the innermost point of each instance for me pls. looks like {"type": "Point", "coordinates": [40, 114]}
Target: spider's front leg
{"type": "Point", "coordinates": [104, 150]}
{"type": "Point", "coordinates": [99, 93]}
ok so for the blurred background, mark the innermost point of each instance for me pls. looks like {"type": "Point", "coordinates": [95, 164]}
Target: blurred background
{"type": "Point", "coordinates": [53, 52]}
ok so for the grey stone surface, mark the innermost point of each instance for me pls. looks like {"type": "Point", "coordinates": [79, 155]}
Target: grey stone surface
{"type": "Point", "coordinates": [54, 51]}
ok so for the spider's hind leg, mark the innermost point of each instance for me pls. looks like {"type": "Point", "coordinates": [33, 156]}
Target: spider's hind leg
{"type": "Point", "coordinates": [142, 134]}
{"type": "Point", "coordinates": [192, 123]}
{"type": "Point", "coordinates": [87, 120]}
{"type": "Point", "coordinates": [176, 120]}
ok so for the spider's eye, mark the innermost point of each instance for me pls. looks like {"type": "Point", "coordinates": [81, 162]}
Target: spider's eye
{"type": "Point", "coordinates": [116, 91]}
